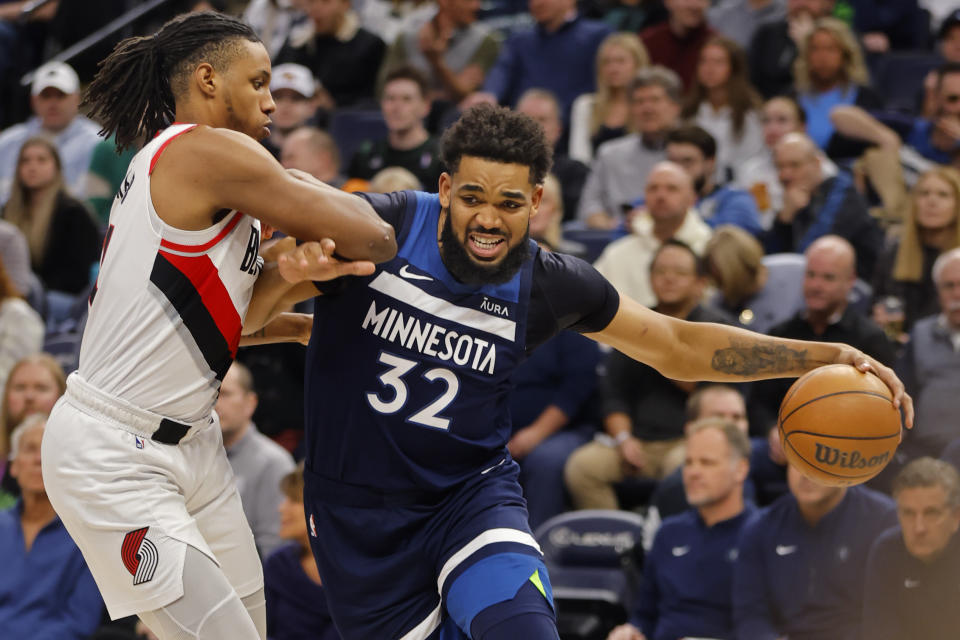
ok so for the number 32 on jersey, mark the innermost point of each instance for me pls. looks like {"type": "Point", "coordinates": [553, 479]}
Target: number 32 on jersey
{"type": "Point", "coordinates": [396, 392]}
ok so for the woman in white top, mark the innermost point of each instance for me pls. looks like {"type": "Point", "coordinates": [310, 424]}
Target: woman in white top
{"type": "Point", "coordinates": [604, 115]}
{"type": "Point", "coordinates": [722, 101]}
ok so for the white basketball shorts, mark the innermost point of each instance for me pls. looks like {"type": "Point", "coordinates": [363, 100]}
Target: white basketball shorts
{"type": "Point", "coordinates": [132, 504]}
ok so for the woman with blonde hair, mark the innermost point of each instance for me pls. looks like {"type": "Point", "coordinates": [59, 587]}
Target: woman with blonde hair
{"type": "Point", "coordinates": [722, 101]}
{"type": "Point", "coordinates": [760, 291]}
{"type": "Point", "coordinates": [34, 384]}
{"type": "Point", "coordinates": [829, 72]}
{"type": "Point", "coordinates": [63, 237]}
{"type": "Point", "coordinates": [605, 115]}
{"type": "Point", "coordinates": [903, 287]}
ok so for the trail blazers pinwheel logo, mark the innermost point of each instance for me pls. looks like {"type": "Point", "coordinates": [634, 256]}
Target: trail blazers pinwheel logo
{"type": "Point", "coordinates": [139, 556]}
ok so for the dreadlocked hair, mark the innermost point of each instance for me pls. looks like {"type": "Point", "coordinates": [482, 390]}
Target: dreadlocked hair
{"type": "Point", "coordinates": [134, 92]}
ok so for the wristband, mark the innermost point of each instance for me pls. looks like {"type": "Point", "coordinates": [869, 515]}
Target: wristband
{"type": "Point", "coordinates": [622, 437]}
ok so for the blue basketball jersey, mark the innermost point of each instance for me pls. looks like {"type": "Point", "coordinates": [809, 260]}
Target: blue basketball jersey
{"type": "Point", "coordinates": [408, 369]}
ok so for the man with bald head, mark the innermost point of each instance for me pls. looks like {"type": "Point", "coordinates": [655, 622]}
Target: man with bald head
{"type": "Point", "coordinates": [814, 205]}
{"type": "Point", "coordinates": [827, 281]}
{"type": "Point", "coordinates": [667, 213]}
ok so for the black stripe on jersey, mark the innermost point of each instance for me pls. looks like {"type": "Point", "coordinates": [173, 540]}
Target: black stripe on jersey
{"type": "Point", "coordinates": [185, 298]}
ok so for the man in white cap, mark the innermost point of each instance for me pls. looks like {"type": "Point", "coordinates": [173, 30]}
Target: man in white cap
{"type": "Point", "coordinates": [55, 102]}
{"type": "Point", "coordinates": [295, 92]}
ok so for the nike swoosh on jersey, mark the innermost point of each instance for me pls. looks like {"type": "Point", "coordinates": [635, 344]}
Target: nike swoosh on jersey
{"type": "Point", "coordinates": [409, 275]}
{"type": "Point", "coordinates": [784, 550]}
{"type": "Point", "coordinates": [911, 584]}
{"type": "Point", "coordinates": [680, 551]}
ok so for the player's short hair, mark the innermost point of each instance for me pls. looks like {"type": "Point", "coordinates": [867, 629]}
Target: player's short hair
{"type": "Point", "coordinates": [698, 263]}
{"type": "Point", "coordinates": [929, 472]}
{"type": "Point", "coordinates": [500, 135]}
{"type": "Point", "coordinates": [407, 72]}
{"type": "Point", "coordinates": [697, 136]}
{"type": "Point", "coordinates": [695, 401]}
{"type": "Point", "coordinates": [658, 76]}
{"type": "Point", "coordinates": [292, 484]}
{"type": "Point", "coordinates": [735, 437]}
{"type": "Point", "coordinates": [28, 423]}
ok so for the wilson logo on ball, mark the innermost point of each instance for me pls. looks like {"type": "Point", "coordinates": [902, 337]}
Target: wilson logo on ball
{"type": "Point", "coordinates": [852, 460]}
{"type": "Point", "coordinates": [139, 556]}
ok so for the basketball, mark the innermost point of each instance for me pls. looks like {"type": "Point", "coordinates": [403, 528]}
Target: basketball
{"type": "Point", "coordinates": [838, 425]}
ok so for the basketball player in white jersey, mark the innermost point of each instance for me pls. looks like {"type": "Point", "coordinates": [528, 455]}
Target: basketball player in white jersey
{"type": "Point", "coordinates": [133, 457]}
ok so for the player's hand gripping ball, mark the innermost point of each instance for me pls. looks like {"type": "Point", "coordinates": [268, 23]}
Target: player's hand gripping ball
{"type": "Point", "coordinates": [838, 425]}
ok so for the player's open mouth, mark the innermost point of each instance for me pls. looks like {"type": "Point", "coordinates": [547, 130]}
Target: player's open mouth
{"type": "Point", "coordinates": [486, 247]}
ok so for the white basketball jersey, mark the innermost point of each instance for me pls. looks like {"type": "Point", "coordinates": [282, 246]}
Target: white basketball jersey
{"type": "Point", "coordinates": [166, 313]}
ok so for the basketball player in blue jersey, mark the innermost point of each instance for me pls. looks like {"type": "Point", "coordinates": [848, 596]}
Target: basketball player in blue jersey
{"type": "Point", "coordinates": [133, 455]}
{"type": "Point", "coordinates": [417, 521]}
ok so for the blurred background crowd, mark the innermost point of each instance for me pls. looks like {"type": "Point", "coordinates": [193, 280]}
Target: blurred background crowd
{"type": "Point", "coordinates": [812, 192]}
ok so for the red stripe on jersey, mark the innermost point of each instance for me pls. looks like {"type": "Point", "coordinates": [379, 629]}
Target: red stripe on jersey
{"type": "Point", "coordinates": [198, 248]}
{"type": "Point", "coordinates": [156, 155]}
{"type": "Point", "coordinates": [205, 278]}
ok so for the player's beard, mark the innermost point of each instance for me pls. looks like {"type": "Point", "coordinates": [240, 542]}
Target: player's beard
{"type": "Point", "coordinates": [466, 270]}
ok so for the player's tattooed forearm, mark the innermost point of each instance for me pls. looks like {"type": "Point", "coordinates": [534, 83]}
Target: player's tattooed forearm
{"type": "Point", "coordinates": [744, 358]}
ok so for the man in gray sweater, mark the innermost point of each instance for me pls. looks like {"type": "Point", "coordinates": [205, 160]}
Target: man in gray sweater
{"type": "Point", "coordinates": [258, 462]}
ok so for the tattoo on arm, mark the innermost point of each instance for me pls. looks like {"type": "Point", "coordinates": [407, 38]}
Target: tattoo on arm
{"type": "Point", "coordinates": [746, 358]}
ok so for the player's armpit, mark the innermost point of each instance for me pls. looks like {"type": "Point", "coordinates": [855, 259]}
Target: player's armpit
{"type": "Point", "coordinates": [286, 327]}
{"type": "Point", "coordinates": [207, 170]}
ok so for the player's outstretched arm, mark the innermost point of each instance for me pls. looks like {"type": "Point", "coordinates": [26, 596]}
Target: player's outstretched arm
{"type": "Point", "coordinates": [703, 351]}
{"type": "Point", "coordinates": [209, 169]}
{"type": "Point", "coordinates": [290, 279]}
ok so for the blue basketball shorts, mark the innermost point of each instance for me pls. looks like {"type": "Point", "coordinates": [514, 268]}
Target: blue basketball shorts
{"type": "Point", "coordinates": [421, 569]}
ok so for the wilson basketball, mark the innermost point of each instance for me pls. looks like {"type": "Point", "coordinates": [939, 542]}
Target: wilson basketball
{"type": "Point", "coordinates": [838, 426]}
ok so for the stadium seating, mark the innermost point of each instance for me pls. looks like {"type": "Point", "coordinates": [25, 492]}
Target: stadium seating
{"type": "Point", "coordinates": [594, 559]}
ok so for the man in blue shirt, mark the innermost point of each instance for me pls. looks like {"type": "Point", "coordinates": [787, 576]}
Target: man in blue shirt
{"type": "Point", "coordinates": [803, 562]}
{"type": "Point", "coordinates": [46, 590]}
{"type": "Point", "coordinates": [688, 574]}
{"type": "Point", "coordinates": [694, 149]}
{"type": "Point", "coordinates": [557, 54]}
{"type": "Point", "coordinates": [913, 574]}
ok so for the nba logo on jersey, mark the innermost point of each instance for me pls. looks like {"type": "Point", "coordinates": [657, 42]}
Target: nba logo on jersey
{"type": "Point", "coordinates": [139, 442]}
{"type": "Point", "coordinates": [139, 556]}
{"type": "Point", "coordinates": [313, 527]}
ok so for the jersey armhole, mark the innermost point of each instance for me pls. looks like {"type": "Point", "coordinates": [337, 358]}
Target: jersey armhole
{"type": "Point", "coordinates": [159, 151]}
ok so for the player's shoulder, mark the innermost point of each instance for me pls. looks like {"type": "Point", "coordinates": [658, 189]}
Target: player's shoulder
{"type": "Point", "coordinates": [554, 262]}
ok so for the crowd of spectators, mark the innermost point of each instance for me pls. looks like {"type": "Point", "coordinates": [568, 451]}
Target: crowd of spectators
{"type": "Point", "coordinates": [788, 166]}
